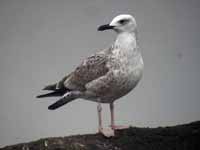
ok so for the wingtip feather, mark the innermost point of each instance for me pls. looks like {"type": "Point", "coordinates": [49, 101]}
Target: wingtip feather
{"type": "Point", "coordinates": [51, 107]}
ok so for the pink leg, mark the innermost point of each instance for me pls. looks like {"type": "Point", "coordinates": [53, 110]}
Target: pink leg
{"type": "Point", "coordinates": [113, 126]}
{"type": "Point", "coordinates": [106, 132]}
{"type": "Point", "coordinates": [99, 110]}
{"type": "Point", "coordinates": [112, 115]}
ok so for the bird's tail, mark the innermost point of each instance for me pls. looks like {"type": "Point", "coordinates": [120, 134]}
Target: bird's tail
{"type": "Point", "coordinates": [70, 96]}
{"type": "Point", "coordinates": [51, 94]}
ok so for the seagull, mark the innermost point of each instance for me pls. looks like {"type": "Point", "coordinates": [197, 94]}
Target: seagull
{"type": "Point", "coordinates": [106, 75]}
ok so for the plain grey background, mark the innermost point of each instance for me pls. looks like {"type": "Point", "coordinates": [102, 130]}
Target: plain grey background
{"type": "Point", "coordinates": [43, 40]}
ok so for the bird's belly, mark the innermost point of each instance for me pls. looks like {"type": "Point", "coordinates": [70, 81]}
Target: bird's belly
{"type": "Point", "coordinates": [126, 81]}
{"type": "Point", "coordinates": [122, 82]}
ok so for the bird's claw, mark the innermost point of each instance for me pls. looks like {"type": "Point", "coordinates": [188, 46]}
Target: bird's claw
{"type": "Point", "coordinates": [107, 132]}
{"type": "Point", "coordinates": [118, 127]}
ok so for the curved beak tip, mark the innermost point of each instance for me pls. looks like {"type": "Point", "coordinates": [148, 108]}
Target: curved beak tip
{"type": "Point", "coordinates": [105, 27]}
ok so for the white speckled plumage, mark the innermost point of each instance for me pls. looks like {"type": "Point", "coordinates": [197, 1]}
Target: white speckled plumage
{"type": "Point", "coordinates": [125, 65]}
{"type": "Point", "coordinates": [107, 75]}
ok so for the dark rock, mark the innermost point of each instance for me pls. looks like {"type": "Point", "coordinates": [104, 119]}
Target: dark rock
{"type": "Point", "coordinates": [180, 137]}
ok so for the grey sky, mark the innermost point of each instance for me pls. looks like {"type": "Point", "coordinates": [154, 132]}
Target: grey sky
{"type": "Point", "coordinates": [41, 41]}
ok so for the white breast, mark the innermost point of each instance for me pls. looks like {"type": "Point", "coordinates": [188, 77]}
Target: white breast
{"type": "Point", "coordinates": [130, 63]}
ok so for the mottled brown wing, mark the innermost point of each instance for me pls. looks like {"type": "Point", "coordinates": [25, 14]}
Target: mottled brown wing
{"type": "Point", "coordinates": [90, 69]}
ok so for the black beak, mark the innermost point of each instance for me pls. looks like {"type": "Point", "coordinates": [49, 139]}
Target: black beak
{"type": "Point", "coordinates": [105, 27]}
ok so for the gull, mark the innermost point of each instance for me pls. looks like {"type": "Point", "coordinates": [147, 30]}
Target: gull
{"type": "Point", "coordinates": [106, 75]}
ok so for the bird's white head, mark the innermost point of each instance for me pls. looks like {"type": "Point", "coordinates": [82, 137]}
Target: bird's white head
{"type": "Point", "coordinates": [121, 23]}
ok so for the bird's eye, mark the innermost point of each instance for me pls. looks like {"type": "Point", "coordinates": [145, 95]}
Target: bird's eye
{"type": "Point", "coordinates": [123, 21]}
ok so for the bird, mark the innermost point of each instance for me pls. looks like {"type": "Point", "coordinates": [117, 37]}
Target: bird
{"type": "Point", "coordinates": [106, 75]}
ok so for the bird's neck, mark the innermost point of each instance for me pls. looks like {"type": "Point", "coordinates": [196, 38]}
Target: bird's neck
{"type": "Point", "coordinates": [126, 41]}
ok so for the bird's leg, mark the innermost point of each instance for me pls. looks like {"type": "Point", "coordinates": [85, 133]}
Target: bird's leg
{"type": "Point", "coordinates": [106, 132]}
{"type": "Point", "coordinates": [99, 110]}
{"type": "Point", "coordinates": [113, 126]}
{"type": "Point", "coordinates": [112, 115]}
